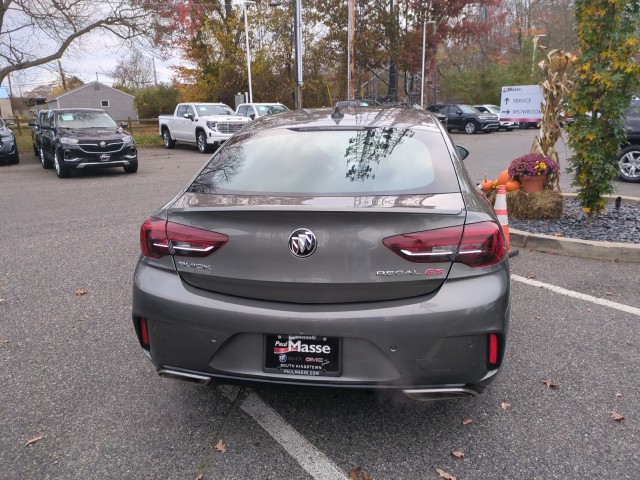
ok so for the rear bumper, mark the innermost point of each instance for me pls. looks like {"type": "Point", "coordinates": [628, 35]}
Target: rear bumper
{"type": "Point", "coordinates": [416, 344]}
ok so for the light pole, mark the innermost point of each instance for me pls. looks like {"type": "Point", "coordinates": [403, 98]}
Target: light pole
{"type": "Point", "coordinates": [424, 45]}
{"type": "Point", "coordinates": [246, 36]}
{"type": "Point", "coordinates": [298, 31]}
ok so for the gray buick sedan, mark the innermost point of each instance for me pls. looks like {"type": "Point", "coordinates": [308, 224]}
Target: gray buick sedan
{"type": "Point", "coordinates": [328, 248]}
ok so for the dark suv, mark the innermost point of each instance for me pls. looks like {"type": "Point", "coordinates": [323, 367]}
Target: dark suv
{"type": "Point", "coordinates": [629, 157]}
{"type": "Point", "coordinates": [466, 118]}
{"type": "Point", "coordinates": [84, 138]}
{"type": "Point", "coordinates": [8, 146]}
{"type": "Point", "coordinates": [36, 131]}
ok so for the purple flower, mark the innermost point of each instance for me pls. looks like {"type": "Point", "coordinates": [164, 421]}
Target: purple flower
{"type": "Point", "coordinates": [532, 164]}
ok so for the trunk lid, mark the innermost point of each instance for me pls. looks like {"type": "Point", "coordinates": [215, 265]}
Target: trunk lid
{"type": "Point", "coordinates": [350, 262]}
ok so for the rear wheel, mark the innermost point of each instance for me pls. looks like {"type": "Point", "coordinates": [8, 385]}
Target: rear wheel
{"type": "Point", "coordinates": [131, 168]}
{"type": "Point", "coordinates": [470, 127]}
{"type": "Point", "coordinates": [61, 170]}
{"type": "Point", "coordinates": [167, 141]}
{"type": "Point", "coordinates": [629, 164]}
{"type": "Point", "coordinates": [43, 160]}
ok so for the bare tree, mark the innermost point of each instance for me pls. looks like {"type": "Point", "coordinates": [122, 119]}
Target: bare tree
{"type": "Point", "coordinates": [36, 32]}
{"type": "Point", "coordinates": [135, 70]}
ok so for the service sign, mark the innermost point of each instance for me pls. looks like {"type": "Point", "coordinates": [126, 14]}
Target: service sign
{"type": "Point", "coordinates": [521, 104]}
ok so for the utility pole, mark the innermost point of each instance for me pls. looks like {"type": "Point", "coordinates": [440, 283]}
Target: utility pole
{"type": "Point", "coordinates": [62, 79]}
{"type": "Point", "coordinates": [351, 67]}
{"type": "Point", "coordinates": [299, 81]}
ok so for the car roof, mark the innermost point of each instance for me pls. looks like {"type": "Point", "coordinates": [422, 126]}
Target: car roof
{"type": "Point", "coordinates": [337, 119]}
{"type": "Point", "coordinates": [262, 103]}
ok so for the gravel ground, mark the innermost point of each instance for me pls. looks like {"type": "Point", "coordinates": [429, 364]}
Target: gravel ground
{"type": "Point", "coordinates": [614, 225]}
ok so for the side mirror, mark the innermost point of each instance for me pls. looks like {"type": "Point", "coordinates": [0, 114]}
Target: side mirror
{"type": "Point", "coordinates": [252, 116]}
{"type": "Point", "coordinates": [124, 125]}
{"type": "Point", "coordinates": [190, 116]}
{"type": "Point", "coordinates": [463, 152]}
{"type": "Point", "coordinates": [459, 112]}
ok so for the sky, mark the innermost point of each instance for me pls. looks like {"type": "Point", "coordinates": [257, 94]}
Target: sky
{"type": "Point", "coordinates": [88, 59]}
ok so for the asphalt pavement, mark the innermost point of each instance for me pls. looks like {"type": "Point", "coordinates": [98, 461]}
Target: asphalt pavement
{"type": "Point", "coordinates": [80, 401]}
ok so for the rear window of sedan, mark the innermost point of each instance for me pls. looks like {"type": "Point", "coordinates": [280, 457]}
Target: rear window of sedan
{"type": "Point", "coordinates": [330, 162]}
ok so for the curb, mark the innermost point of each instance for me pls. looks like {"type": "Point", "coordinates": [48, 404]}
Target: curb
{"type": "Point", "coordinates": [572, 247]}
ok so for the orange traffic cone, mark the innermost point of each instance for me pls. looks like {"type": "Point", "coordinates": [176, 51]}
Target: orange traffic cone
{"type": "Point", "coordinates": [501, 211]}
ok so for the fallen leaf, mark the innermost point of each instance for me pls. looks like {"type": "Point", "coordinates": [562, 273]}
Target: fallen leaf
{"type": "Point", "coordinates": [200, 477]}
{"type": "Point", "coordinates": [616, 416]}
{"type": "Point", "coordinates": [559, 234]}
{"type": "Point", "coordinates": [457, 454]}
{"type": "Point", "coordinates": [358, 474]}
{"type": "Point", "coordinates": [588, 309]}
{"type": "Point", "coordinates": [466, 422]}
{"type": "Point", "coordinates": [537, 318]}
{"type": "Point", "coordinates": [505, 405]}
{"type": "Point", "coordinates": [609, 294]}
{"type": "Point", "coordinates": [80, 292]}
{"type": "Point", "coordinates": [445, 475]}
{"type": "Point", "coordinates": [618, 395]}
{"type": "Point", "coordinates": [531, 276]}
{"type": "Point", "coordinates": [550, 384]}
{"type": "Point", "coordinates": [34, 440]}
{"type": "Point", "coordinates": [221, 447]}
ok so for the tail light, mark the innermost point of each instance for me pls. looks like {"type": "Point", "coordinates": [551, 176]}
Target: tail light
{"type": "Point", "coordinates": [493, 351]}
{"type": "Point", "coordinates": [144, 333]}
{"type": "Point", "coordinates": [159, 238]}
{"type": "Point", "coordinates": [476, 245]}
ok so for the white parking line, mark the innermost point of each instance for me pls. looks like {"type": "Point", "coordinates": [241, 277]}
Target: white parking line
{"type": "Point", "coordinates": [581, 296]}
{"type": "Point", "coordinates": [315, 462]}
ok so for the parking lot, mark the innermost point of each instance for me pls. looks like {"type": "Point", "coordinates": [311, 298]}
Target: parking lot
{"type": "Point", "coordinates": [79, 399]}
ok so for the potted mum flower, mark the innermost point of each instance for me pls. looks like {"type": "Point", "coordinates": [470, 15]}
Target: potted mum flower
{"type": "Point", "coordinates": [532, 171]}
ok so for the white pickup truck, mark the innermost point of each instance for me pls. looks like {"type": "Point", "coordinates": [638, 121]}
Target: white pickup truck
{"type": "Point", "coordinates": [207, 125]}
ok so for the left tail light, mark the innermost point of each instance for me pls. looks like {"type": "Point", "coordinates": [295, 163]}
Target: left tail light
{"type": "Point", "coordinates": [159, 238]}
{"type": "Point", "coordinates": [143, 330]}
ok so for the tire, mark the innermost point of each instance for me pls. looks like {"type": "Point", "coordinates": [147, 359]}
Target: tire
{"type": "Point", "coordinates": [470, 127]}
{"type": "Point", "coordinates": [201, 142]}
{"type": "Point", "coordinates": [167, 141]}
{"type": "Point", "coordinates": [131, 168]}
{"type": "Point", "coordinates": [629, 164]}
{"type": "Point", "coordinates": [61, 170]}
{"type": "Point", "coordinates": [14, 159]}
{"type": "Point", "coordinates": [43, 160]}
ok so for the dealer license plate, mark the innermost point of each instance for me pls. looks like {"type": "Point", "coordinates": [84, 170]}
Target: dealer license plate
{"type": "Point", "coordinates": [310, 355]}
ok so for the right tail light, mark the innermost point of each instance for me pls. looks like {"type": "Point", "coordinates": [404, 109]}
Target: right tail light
{"type": "Point", "coordinates": [476, 245]}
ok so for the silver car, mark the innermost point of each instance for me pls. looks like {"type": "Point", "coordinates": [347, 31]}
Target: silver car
{"type": "Point", "coordinates": [333, 249]}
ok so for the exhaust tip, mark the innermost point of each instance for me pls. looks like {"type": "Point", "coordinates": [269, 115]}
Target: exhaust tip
{"type": "Point", "coordinates": [429, 394]}
{"type": "Point", "coordinates": [185, 377]}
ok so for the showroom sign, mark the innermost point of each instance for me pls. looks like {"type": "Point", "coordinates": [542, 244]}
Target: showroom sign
{"type": "Point", "coordinates": [521, 104]}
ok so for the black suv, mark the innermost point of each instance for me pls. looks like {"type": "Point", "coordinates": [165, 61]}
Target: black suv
{"type": "Point", "coordinates": [629, 157]}
{"type": "Point", "coordinates": [84, 138]}
{"type": "Point", "coordinates": [36, 131]}
{"type": "Point", "coordinates": [466, 118]}
{"type": "Point", "coordinates": [8, 146]}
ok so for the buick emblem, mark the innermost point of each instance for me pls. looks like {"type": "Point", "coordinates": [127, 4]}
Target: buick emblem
{"type": "Point", "coordinates": [103, 144]}
{"type": "Point", "coordinates": [302, 243]}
